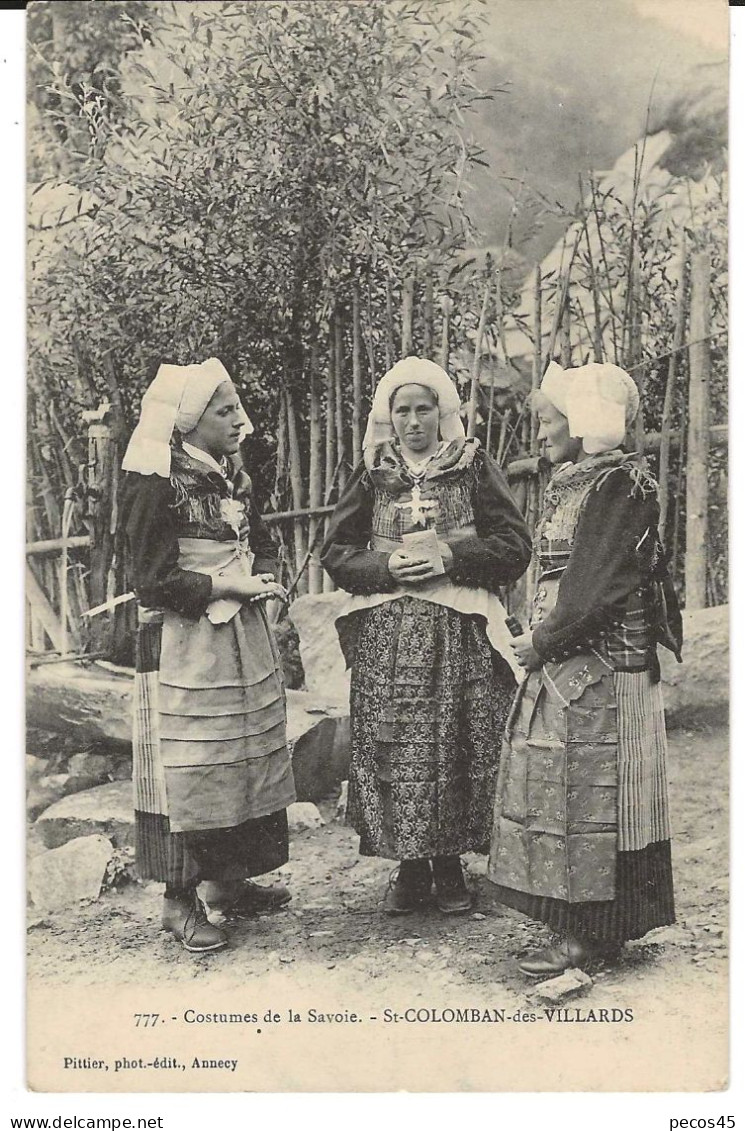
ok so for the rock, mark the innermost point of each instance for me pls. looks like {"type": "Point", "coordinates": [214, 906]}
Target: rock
{"type": "Point", "coordinates": [105, 809]}
{"type": "Point", "coordinates": [35, 767]}
{"type": "Point", "coordinates": [319, 742]}
{"type": "Point", "coordinates": [45, 792]}
{"type": "Point", "coordinates": [699, 687]}
{"type": "Point", "coordinates": [313, 615]}
{"type": "Point", "coordinates": [65, 875]}
{"type": "Point", "coordinates": [93, 700]}
{"type": "Point", "coordinates": [670, 936]}
{"type": "Point", "coordinates": [90, 766]}
{"type": "Point", "coordinates": [303, 815]}
{"type": "Point", "coordinates": [97, 703]}
{"type": "Point", "coordinates": [572, 983]}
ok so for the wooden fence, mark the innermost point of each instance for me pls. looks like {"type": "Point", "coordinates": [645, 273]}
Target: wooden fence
{"type": "Point", "coordinates": [83, 566]}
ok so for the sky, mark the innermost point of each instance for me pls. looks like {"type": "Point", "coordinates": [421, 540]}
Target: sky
{"type": "Point", "coordinates": [704, 21]}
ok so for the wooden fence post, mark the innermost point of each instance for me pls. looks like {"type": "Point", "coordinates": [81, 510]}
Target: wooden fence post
{"type": "Point", "coordinates": [476, 370]}
{"type": "Point", "coordinates": [356, 376]}
{"type": "Point", "coordinates": [697, 472]}
{"type": "Point", "coordinates": [315, 475]}
{"type": "Point", "coordinates": [667, 407]}
{"type": "Point", "coordinates": [101, 459]}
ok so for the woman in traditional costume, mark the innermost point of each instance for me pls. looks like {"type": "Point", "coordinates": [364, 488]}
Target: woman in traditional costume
{"type": "Point", "coordinates": [581, 837]}
{"type": "Point", "coordinates": [424, 534]}
{"type": "Point", "coordinates": [212, 774]}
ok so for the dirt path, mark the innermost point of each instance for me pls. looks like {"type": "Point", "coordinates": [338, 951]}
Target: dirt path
{"type": "Point", "coordinates": [333, 934]}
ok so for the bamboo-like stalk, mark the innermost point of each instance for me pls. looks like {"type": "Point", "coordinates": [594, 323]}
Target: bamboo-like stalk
{"type": "Point", "coordinates": [490, 415]}
{"type": "Point", "coordinates": [315, 472]}
{"type": "Point", "coordinates": [407, 316]}
{"type": "Point", "coordinates": [356, 376]}
{"type": "Point", "coordinates": [330, 426]}
{"type": "Point", "coordinates": [537, 372]}
{"type": "Point", "coordinates": [561, 301]}
{"type": "Point", "coordinates": [296, 471]}
{"type": "Point", "coordinates": [604, 257]}
{"type": "Point", "coordinates": [341, 450]}
{"type": "Point", "coordinates": [667, 406]}
{"type": "Point", "coordinates": [476, 370]}
{"type": "Point", "coordinates": [446, 305]}
{"type": "Point", "coordinates": [636, 351]}
{"type": "Point", "coordinates": [330, 415]}
{"type": "Point", "coordinates": [389, 346]}
{"type": "Point", "coordinates": [503, 436]}
{"type": "Point", "coordinates": [565, 335]}
{"type": "Point", "coordinates": [428, 344]}
{"type": "Point", "coordinates": [597, 334]}
{"type": "Point", "coordinates": [280, 471]}
{"type": "Point", "coordinates": [697, 479]}
{"type": "Point", "coordinates": [369, 342]}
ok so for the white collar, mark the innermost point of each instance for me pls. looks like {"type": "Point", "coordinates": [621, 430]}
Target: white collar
{"type": "Point", "coordinates": [204, 457]}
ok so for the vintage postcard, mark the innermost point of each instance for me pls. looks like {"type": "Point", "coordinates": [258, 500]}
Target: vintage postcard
{"type": "Point", "coordinates": [376, 571]}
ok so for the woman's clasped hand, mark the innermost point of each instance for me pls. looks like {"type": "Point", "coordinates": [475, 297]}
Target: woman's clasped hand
{"type": "Point", "coordinates": [411, 568]}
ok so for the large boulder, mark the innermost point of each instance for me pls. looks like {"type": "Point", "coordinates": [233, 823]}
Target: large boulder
{"type": "Point", "coordinates": [698, 689]}
{"type": "Point", "coordinates": [65, 875]}
{"type": "Point", "coordinates": [319, 743]}
{"type": "Point", "coordinates": [105, 810]}
{"type": "Point", "coordinates": [97, 702]}
{"type": "Point", "coordinates": [313, 615]}
{"type": "Point", "coordinates": [318, 738]}
{"type": "Point", "coordinates": [93, 700]}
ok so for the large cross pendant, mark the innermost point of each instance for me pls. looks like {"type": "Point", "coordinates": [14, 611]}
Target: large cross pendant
{"type": "Point", "coordinates": [420, 508]}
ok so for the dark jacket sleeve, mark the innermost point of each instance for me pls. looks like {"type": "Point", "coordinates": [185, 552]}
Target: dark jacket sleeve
{"type": "Point", "coordinates": [345, 555]}
{"type": "Point", "coordinates": [607, 563]}
{"type": "Point", "coordinates": [261, 542]}
{"type": "Point", "coordinates": [500, 551]}
{"type": "Point", "coordinates": [152, 541]}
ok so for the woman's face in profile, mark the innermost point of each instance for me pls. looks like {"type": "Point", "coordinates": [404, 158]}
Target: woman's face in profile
{"type": "Point", "coordinates": [553, 432]}
{"type": "Point", "coordinates": [219, 429]}
{"type": "Point", "coordinates": [416, 418]}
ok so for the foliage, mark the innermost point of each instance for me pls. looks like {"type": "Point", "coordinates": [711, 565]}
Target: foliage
{"type": "Point", "coordinates": [260, 158]}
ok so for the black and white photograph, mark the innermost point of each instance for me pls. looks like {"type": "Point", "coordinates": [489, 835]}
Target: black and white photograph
{"type": "Point", "coordinates": [376, 546]}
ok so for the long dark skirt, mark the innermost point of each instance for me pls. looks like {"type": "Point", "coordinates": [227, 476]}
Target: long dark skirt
{"type": "Point", "coordinates": [644, 900]}
{"type": "Point", "coordinates": [429, 701]}
{"type": "Point", "coordinates": [182, 859]}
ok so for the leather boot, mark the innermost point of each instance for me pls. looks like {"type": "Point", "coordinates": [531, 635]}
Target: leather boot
{"type": "Point", "coordinates": [186, 919]}
{"type": "Point", "coordinates": [451, 894]}
{"type": "Point", "coordinates": [245, 899]}
{"type": "Point", "coordinates": [570, 953]}
{"type": "Point", "coordinates": [409, 887]}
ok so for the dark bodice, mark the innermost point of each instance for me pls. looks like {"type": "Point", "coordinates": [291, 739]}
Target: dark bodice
{"type": "Point", "coordinates": [195, 502]}
{"type": "Point", "coordinates": [602, 580]}
{"type": "Point", "coordinates": [465, 497]}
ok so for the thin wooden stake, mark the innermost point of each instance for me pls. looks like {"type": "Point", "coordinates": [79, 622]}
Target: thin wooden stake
{"type": "Point", "coordinates": [356, 376]}
{"type": "Point", "coordinates": [697, 479]}
{"type": "Point", "coordinates": [667, 407]}
{"type": "Point", "coordinates": [476, 370]}
{"type": "Point", "coordinates": [407, 316]}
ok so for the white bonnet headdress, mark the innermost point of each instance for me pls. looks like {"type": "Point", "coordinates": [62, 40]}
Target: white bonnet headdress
{"type": "Point", "coordinates": [599, 400]}
{"type": "Point", "coordinates": [414, 371]}
{"type": "Point", "coordinates": [176, 398]}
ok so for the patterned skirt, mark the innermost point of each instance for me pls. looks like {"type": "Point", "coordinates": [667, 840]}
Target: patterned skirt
{"type": "Point", "coordinates": [180, 859]}
{"type": "Point", "coordinates": [429, 701]}
{"type": "Point", "coordinates": [547, 867]}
